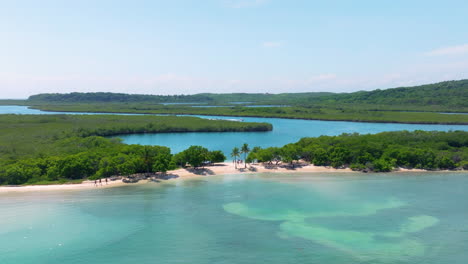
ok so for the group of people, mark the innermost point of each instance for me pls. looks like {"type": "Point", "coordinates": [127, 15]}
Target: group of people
{"type": "Point", "coordinates": [96, 182]}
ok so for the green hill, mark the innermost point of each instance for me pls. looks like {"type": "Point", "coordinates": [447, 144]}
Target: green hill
{"type": "Point", "coordinates": [450, 95]}
{"type": "Point", "coordinates": [443, 96]}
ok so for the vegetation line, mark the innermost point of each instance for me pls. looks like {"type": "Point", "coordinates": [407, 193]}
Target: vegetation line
{"type": "Point", "coordinates": [278, 112]}
{"type": "Point", "coordinates": [382, 152]}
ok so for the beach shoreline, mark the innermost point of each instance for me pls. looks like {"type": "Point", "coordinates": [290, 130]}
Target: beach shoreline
{"type": "Point", "coordinates": [225, 168]}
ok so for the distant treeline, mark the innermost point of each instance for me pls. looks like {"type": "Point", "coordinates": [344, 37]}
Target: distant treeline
{"type": "Point", "coordinates": [205, 98]}
{"type": "Point", "coordinates": [443, 96]}
{"type": "Point", "coordinates": [430, 150]}
{"type": "Point", "coordinates": [116, 98]}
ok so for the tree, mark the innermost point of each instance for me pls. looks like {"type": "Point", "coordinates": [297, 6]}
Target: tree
{"type": "Point", "coordinates": [265, 155]}
{"type": "Point", "coordinates": [79, 166]}
{"type": "Point", "coordinates": [339, 157]}
{"type": "Point", "coordinates": [107, 167]}
{"type": "Point", "coordinates": [253, 154]}
{"type": "Point", "coordinates": [217, 156]}
{"type": "Point", "coordinates": [245, 150]}
{"type": "Point", "coordinates": [22, 171]}
{"type": "Point", "coordinates": [445, 163]}
{"type": "Point", "coordinates": [289, 154]}
{"type": "Point", "coordinates": [383, 165]}
{"type": "Point", "coordinates": [235, 153]}
{"type": "Point", "coordinates": [180, 159]}
{"type": "Point", "coordinates": [148, 155]}
{"type": "Point", "coordinates": [320, 157]}
{"type": "Point", "coordinates": [162, 162]}
{"type": "Point", "coordinates": [196, 155]}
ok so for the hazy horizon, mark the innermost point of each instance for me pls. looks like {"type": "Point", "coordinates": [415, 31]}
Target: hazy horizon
{"type": "Point", "coordinates": [25, 98]}
{"type": "Point", "coordinates": [228, 46]}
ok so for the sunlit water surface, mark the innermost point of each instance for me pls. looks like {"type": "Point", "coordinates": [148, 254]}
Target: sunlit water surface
{"type": "Point", "coordinates": [265, 218]}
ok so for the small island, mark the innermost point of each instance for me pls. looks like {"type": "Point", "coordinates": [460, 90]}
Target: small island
{"type": "Point", "coordinates": [69, 149]}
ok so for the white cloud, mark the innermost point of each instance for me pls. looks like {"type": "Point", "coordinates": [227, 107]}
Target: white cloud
{"type": "Point", "coordinates": [272, 44]}
{"type": "Point", "coordinates": [245, 3]}
{"type": "Point", "coordinates": [452, 50]}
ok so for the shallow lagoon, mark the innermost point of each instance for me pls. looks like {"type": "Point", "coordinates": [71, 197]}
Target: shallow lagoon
{"type": "Point", "coordinates": [268, 218]}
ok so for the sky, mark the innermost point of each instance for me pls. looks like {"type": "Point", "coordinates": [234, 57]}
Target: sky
{"type": "Point", "coordinates": [224, 46]}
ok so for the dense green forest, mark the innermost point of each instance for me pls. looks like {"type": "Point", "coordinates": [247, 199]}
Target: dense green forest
{"type": "Point", "coordinates": [45, 148]}
{"type": "Point", "coordinates": [95, 157]}
{"type": "Point", "coordinates": [26, 135]}
{"type": "Point", "coordinates": [443, 96]}
{"type": "Point", "coordinates": [381, 152]}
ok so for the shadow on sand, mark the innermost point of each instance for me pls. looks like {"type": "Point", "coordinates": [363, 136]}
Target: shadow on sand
{"type": "Point", "coordinates": [152, 177]}
{"type": "Point", "coordinates": [287, 166]}
{"type": "Point", "coordinates": [200, 171]}
{"type": "Point", "coordinates": [163, 177]}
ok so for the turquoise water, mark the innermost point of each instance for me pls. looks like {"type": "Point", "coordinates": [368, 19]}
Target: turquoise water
{"type": "Point", "coordinates": [271, 218]}
{"type": "Point", "coordinates": [284, 131]}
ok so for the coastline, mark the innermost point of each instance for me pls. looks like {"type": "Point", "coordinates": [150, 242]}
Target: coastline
{"type": "Point", "coordinates": [225, 168]}
{"type": "Point", "coordinates": [68, 186]}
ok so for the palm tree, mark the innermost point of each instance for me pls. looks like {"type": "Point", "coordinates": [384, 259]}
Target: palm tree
{"type": "Point", "coordinates": [245, 149]}
{"type": "Point", "coordinates": [235, 153]}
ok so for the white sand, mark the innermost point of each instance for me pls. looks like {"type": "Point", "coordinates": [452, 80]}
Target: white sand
{"type": "Point", "coordinates": [84, 185]}
{"type": "Point", "coordinates": [229, 168]}
{"type": "Point", "coordinates": [217, 169]}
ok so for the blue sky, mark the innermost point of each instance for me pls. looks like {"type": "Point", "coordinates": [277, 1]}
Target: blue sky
{"type": "Point", "coordinates": [186, 47]}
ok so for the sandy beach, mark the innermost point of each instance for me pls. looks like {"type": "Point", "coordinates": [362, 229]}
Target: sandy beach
{"type": "Point", "coordinates": [230, 168]}
{"type": "Point", "coordinates": [225, 168]}
{"type": "Point", "coordinates": [83, 185]}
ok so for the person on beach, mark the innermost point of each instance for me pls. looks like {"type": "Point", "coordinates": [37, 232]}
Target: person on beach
{"type": "Point", "coordinates": [95, 183]}
{"type": "Point", "coordinates": [106, 181]}
{"type": "Point", "coordinates": [100, 182]}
